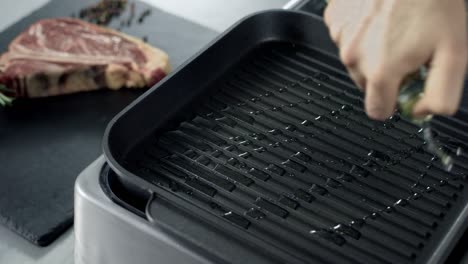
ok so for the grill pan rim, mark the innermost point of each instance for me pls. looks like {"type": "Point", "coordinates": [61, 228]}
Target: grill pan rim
{"type": "Point", "coordinates": [134, 179]}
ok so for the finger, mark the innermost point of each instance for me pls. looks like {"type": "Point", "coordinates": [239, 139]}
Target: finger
{"type": "Point", "coordinates": [381, 95]}
{"type": "Point", "coordinates": [444, 84]}
{"type": "Point", "coordinates": [358, 78]}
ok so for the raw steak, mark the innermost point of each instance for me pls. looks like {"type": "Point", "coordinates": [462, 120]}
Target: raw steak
{"type": "Point", "coordinates": [66, 55]}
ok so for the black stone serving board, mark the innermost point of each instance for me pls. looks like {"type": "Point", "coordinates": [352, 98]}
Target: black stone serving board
{"type": "Point", "coordinates": [45, 143]}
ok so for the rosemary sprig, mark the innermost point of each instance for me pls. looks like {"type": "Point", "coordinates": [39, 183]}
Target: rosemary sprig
{"type": "Point", "coordinates": [4, 99]}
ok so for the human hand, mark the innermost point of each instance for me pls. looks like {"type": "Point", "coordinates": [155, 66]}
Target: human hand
{"type": "Point", "coordinates": [382, 41]}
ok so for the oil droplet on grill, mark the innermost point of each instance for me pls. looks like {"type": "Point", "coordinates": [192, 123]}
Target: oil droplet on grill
{"type": "Point", "coordinates": [306, 123]}
{"type": "Point", "coordinates": [319, 118]}
{"type": "Point", "coordinates": [347, 230]}
{"type": "Point", "coordinates": [260, 149]}
{"type": "Point", "coordinates": [276, 144]}
{"type": "Point", "coordinates": [374, 215]}
{"type": "Point", "coordinates": [377, 155]}
{"type": "Point", "coordinates": [291, 128]}
{"type": "Point", "coordinates": [388, 125]}
{"type": "Point", "coordinates": [442, 182]}
{"type": "Point", "coordinates": [395, 118]}
{"type": "Point", "coordinates": [258, 136]}
{"type": "Point", "coordinates": [275, 132]}
{"type": "Point", "coordinates": [346, 107]}
{"type": "Point", "coordinates": [416, 196]}
{"type": "Point", "coordinates": [292, 105]}
{"type": "Point", "coordinates": [401, 202]}
{"type": "Point", "coordinates": [245, 142]}
{"type": "Point", "coordinates": [282, 90]}
{"type": "Point", "coordinates": [267, 94]}
{"type": "Point", "coordinates": [429, 189]}
{"type": "Point", "coordinates": [232, 162]}
{"type": "Point", "coordinates": [254, 99]}
{"type": "Point", "coordinates": [245, 155]}
{"type": "Point", "coordinates": [256, 214]}
{"type": "Point", "coordinates": [276, 108]}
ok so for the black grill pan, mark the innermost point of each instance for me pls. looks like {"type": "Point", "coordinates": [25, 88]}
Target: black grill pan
{"type": "Point", "coordinates": [258, 151]}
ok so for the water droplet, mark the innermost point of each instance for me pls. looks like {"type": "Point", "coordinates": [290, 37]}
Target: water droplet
{"type": "Point", "coordinates": [319, 118]}
{"type": "Point", "coordinates": [282, 90]}
{"type": "Point", "coordinates": [267, 94]}
{"type": "Point", "coordinates": [416, 196]}
{"type": "Point", "coordinates": [442, 182]}
{"type": "Point", "coordinates": [389, 209]}
{"type": "Point", "coordinates": [326, 97]}
{"type": "Point", "coordinates": [292, 105]}
{"type": "Point", "coordinates": [429, 189]}
{"type": "Point", "coordinates": [334, 113]}
{"type": "Point", "coordinates": [459, 151]}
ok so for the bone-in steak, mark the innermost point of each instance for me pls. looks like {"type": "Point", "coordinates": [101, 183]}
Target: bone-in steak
{"type": "Point", "coordinates": [66, 55]}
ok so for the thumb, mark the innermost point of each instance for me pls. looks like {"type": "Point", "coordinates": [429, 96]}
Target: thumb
{"type": "Point", "coordinates": [444, 84]}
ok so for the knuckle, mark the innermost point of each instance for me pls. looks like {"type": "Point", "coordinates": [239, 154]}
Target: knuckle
{"type": "Point", "coordinates": [349, 57]}
{"type": "Point", "coordinates": [378, 78]}
{"type": "Point", "coordinates": [334, 33]}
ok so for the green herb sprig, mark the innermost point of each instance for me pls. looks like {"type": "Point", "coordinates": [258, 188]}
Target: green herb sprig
{"type": "Point", "coordinates": [5, 100]}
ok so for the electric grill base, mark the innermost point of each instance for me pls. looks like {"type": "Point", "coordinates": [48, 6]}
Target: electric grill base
{"type": "Point", "coordinates": [199, 195]}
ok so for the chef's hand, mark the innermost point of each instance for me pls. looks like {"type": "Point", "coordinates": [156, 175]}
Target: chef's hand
{"type": "Point", "coordinates": [382, 41]}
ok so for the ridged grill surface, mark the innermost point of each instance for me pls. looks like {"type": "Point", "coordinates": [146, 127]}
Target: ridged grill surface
{"type": "Point", "coordinates": [284, 151]}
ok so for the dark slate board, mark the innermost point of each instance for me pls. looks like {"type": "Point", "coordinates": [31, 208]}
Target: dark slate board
{"type": "Point", "coordinates": [45, 143]}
